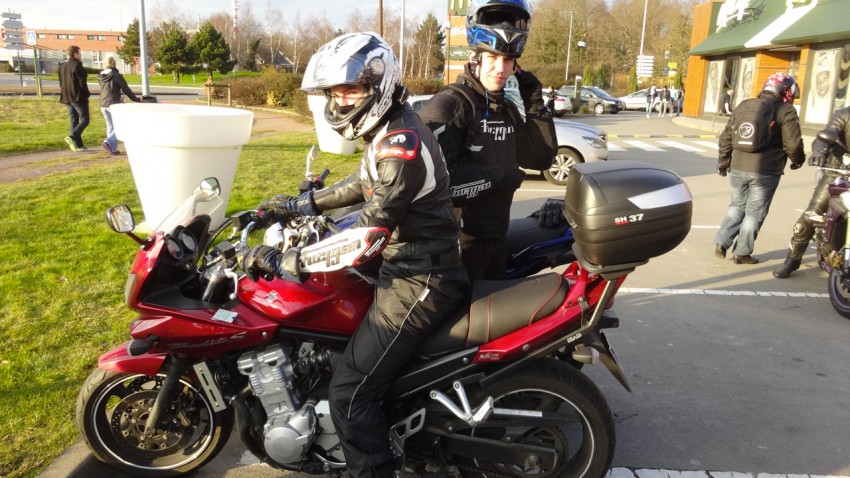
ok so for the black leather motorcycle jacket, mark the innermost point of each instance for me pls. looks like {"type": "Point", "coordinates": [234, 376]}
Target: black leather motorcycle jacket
{"type": "Point", "coordinates": [786, 143]}
{"type": "Point", "coordinates": [405, 185]}
{"type": "Point", "coordinates": [484, 144]}
{"type": "Point", "coordinates": [840, 124]}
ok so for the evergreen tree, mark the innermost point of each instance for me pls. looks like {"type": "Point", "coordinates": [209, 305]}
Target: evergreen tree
{"type": "Point", "coordinates": [632, 80]}
{"type": "Point", "coordinates": [131, 49]}
{"type": "Point", "coordinates": [213, 52]}
{"type": "Point", "coordinates": [176, 54]}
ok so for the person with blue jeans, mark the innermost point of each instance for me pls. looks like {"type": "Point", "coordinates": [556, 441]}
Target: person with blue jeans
{"type": "Point", "coordinates": [74, 94]}
{"type": "Point", "coordinates": [755, 175]}
{"type": "Point", "coordinates": [651, 98]}
{"type": "Point", "coordinates": [112, 84]}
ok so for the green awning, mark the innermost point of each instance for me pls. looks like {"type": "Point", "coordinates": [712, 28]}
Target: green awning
{"type": "Point", "coordinates": [828, 20]}
{"type": "Point", "coordinates": [734, 37]}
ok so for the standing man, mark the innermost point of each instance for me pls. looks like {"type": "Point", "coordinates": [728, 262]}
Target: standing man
{"type": "Point", "coordinates": [405, 185]}
{"type": "Point", "coordinates": [74, 94]}
{"type": "Point", "coordinates": [651, 96]}
{"type": "Point", "coordinates": [112, 84]}
{"type": "Point", "coordinates": [665, 102]}
{"type": "Point", "coordinates": [822, 156]}
{"type": "Point", "coordinates": [755, 175]}
{"type": "Point", "coordinates": [483, 135]}
{"type": "Point", "coordinates": [726, 103]}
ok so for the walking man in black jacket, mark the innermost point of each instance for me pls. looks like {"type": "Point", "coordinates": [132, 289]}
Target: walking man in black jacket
{"type": "Point", "coordinates": [755, 175]}
{"type": "Point", "coordinates": [112, 84]}
{"type": "Point", "coordinates": [74, 94]}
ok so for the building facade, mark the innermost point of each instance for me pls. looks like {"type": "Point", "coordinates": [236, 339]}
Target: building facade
{"type": "Point", "coordinates": [96, 47]}
{"type": "Point", "coordinates": [739, 43]}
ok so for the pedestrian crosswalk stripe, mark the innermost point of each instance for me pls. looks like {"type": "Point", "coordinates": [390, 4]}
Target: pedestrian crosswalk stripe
{"type": "Point", "coordinates": [707, 144]}
{"type": "Point", "coordinates": [682, 146]}
{"type": "Point", "coordinates": [614, 147]}
{"type": "Point", "coordinates": [717, 292]}
{"type": "Point", "coordinates": [644, 146]}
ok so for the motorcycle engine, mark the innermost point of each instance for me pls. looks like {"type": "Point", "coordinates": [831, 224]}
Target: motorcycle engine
{"type": "Point", "coordinates": [290, 427]}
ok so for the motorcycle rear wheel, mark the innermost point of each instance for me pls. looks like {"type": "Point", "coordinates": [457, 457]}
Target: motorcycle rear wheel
{"type": "Point", "coordinates": [112, 409]}
{"type": "Point", "coordinates": [584, 446]}
{"type": "Point", "coordinates": [839, 292]}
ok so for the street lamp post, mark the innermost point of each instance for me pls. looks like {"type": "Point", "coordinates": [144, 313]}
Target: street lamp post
{"type": "Point", "coordinates": [569, 44]}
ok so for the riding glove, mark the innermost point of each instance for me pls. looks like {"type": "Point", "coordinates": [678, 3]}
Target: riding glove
{"type": "Point", "coordinates": [268, 262]}
{"type": "Point", "coordinates": [284, 205]}
{"type": "Point", "coordinates": [531, 91]}
{"type": "Point", "coordinates": [550, 214]}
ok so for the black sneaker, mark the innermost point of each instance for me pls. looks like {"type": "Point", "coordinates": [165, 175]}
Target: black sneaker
{"type": "Point", "coordinates": [720, 252]}
{"type": "Point", "coordinates": [748, 259]}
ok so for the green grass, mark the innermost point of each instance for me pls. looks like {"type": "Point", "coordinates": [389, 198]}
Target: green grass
{"type": "Point", "coordinates": [166, 79]}
{"type": "Point", "coordinates": [41, 124]}
{"type": "Point", "coordinates": [62, 278]}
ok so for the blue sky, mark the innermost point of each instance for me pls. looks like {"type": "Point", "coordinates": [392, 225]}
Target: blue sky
{"type": "Point", "coordinates": [116, 14]}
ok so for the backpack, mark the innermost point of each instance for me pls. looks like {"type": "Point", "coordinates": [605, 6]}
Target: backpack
{"type": "Point", "coordinates": [752, 127]}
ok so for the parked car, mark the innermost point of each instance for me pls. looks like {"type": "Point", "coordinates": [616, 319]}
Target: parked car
{"type": "Point", "coordinates": [577, 142]}
{"type": "Point", "coordinates": [637, 100]}
{"type": "Point", "coordinates": [596, 99]}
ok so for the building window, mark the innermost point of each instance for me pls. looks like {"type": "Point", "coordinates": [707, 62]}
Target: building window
{"type": "Point", "coordinates": [121, 38]}
{"type": "Point", "coordinates": [101, 37]}
{"type": "Point", "coordinates": [71, 37]}
{"type": "Point", "coordinates": [89, 37]}
{"type": "Point", "coordinates": [42, 35]}
{"type": "Point", "coordinates": [826, 90]}
{"type": "Point", "coordinates": [62, 36]}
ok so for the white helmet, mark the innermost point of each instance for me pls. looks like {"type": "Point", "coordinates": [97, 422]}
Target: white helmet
{"type": "Point", "coordinates": [356, 59]}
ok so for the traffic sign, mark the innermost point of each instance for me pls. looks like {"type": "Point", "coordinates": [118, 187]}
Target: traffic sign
{"type": "Point", "coordinates": [12, 24]}
{"type": "Point", "coordinates": [13, 16]}
{"type": "Point", "coordinates": [32, 38]}
{"type": "Point", "coordinates": [645, 65]}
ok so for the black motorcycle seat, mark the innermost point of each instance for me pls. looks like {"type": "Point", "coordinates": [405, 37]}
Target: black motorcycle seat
{"type": "Point", "coordinates": [526, 231]}
{"type": "Point", "coordinates": [497, 308]}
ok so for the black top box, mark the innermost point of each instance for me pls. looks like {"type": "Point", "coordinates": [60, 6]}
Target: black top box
{"type": "Point", "coordinates": [626, 212]}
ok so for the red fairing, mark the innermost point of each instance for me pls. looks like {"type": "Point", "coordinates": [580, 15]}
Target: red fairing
{"type": "Point", "coordinates": [142, 267]}
{"type": "Point", "coordinates": [203, 332]}
{"type": "Point", "coordinates": [327, 302]}
{"type": "Point", "coordinates": [545, 330]}
{"type": "Point", "coordinates": [119, 360]}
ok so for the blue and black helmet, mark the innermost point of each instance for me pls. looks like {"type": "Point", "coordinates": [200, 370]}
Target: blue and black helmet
{"type": "Point", "coordinates": [498, 26]}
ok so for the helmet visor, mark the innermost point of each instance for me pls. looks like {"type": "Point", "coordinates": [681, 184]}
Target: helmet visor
{"type": "Point", "coordinates": [320, 76]}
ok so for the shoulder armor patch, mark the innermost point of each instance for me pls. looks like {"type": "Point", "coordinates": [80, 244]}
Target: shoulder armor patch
{"type": "Point", "coordinates": [403, 144]}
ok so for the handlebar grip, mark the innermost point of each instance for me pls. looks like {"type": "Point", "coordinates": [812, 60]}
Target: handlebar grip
{"type": "Point", "coordinates": [325, 174]}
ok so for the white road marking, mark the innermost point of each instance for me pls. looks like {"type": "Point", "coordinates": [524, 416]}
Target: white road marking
{"type": "Point", "coordinates": [614, 147]}
{"type": "Point", "coordinates": [707, 144]}
{"type": "Point", "coordinates": [648, 473]}
{"type": "Point", "coordinates": [644, 146]}
{"type": "Point", "coordinates": [682, 146]}
{"type": "Point", "coordinates": [748, 293]}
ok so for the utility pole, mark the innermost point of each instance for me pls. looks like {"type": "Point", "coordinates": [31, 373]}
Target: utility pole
{"type": "Point", "coordinates": [381, 18]}
{"type": "Point", "coordinates": [401, 42]}
{"type": "Point", "coordinates": [569, 45]}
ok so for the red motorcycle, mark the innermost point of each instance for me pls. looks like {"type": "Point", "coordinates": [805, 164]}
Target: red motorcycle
{"type": "Point", "coordinates": [495, 390]}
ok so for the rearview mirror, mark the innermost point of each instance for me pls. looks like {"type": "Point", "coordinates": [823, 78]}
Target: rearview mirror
{"type": "Point", "coordinates": [210, 185]}
{"type": "Point", "coordinates": [120, 219]}
{"type": "Point", "coordinates": [311, 156]}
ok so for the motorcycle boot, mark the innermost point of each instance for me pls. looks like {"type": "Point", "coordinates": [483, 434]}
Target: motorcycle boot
{"type": "Point", "coordinates": [792, 262]}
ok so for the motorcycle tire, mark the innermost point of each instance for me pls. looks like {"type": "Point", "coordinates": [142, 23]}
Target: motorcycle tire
{"type": "Point", "coordinates": [112, 408]}
{"type": "Point", "coordinates": [584, 446]}
{"type": "Point", "coordinates": [839, 292]}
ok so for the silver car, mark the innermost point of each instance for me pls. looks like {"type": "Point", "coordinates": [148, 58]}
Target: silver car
{"type": "Point", "coordinates": [577, 142]}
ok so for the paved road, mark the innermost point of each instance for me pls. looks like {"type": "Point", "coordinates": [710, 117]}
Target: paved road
{"type": "Point", "coordinates": [734, 373]}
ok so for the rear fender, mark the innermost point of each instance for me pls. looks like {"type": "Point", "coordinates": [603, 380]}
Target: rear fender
{"type": "Point", "coordinates": [120, 360]}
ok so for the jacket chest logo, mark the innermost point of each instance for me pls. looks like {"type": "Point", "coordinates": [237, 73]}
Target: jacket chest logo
{"type": "Point", "coordinates": [497, 129]}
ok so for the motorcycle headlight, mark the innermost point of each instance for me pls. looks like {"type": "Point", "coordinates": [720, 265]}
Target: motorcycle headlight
{"type": "Point", "coordinates": [595, 142]}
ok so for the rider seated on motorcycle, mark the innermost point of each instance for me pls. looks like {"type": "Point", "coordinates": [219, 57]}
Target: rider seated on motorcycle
{"type": "Point", "coordinates": [405, 185]}
{"type": "Point", "coordinates": [821, 157]}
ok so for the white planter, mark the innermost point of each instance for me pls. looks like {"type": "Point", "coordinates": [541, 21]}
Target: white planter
{"type": "Point", "coordinates": [171, 148]}
{"type": "Point", "coordinates": [329, 140]}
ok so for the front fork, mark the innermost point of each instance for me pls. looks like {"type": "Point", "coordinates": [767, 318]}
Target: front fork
{"type": "Point", "coordinates": [168, 391]}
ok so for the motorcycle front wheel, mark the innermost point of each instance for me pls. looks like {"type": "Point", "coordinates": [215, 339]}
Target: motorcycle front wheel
{"type": "Point", "coordinates": [112, 409]}
{"type": "Point", "coordinates": [839, 292]}
{"type": "Point", "coordinates": [583, 440]}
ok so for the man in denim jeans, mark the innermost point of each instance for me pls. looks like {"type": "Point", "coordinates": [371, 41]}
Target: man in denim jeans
{"type": "Point", "coordinates": [755, 175]}
{"type": "Point", "coordinates": [74, 94]}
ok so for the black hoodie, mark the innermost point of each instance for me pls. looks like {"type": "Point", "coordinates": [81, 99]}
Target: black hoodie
{"type": "Point", "coordinates": [112, 83]}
